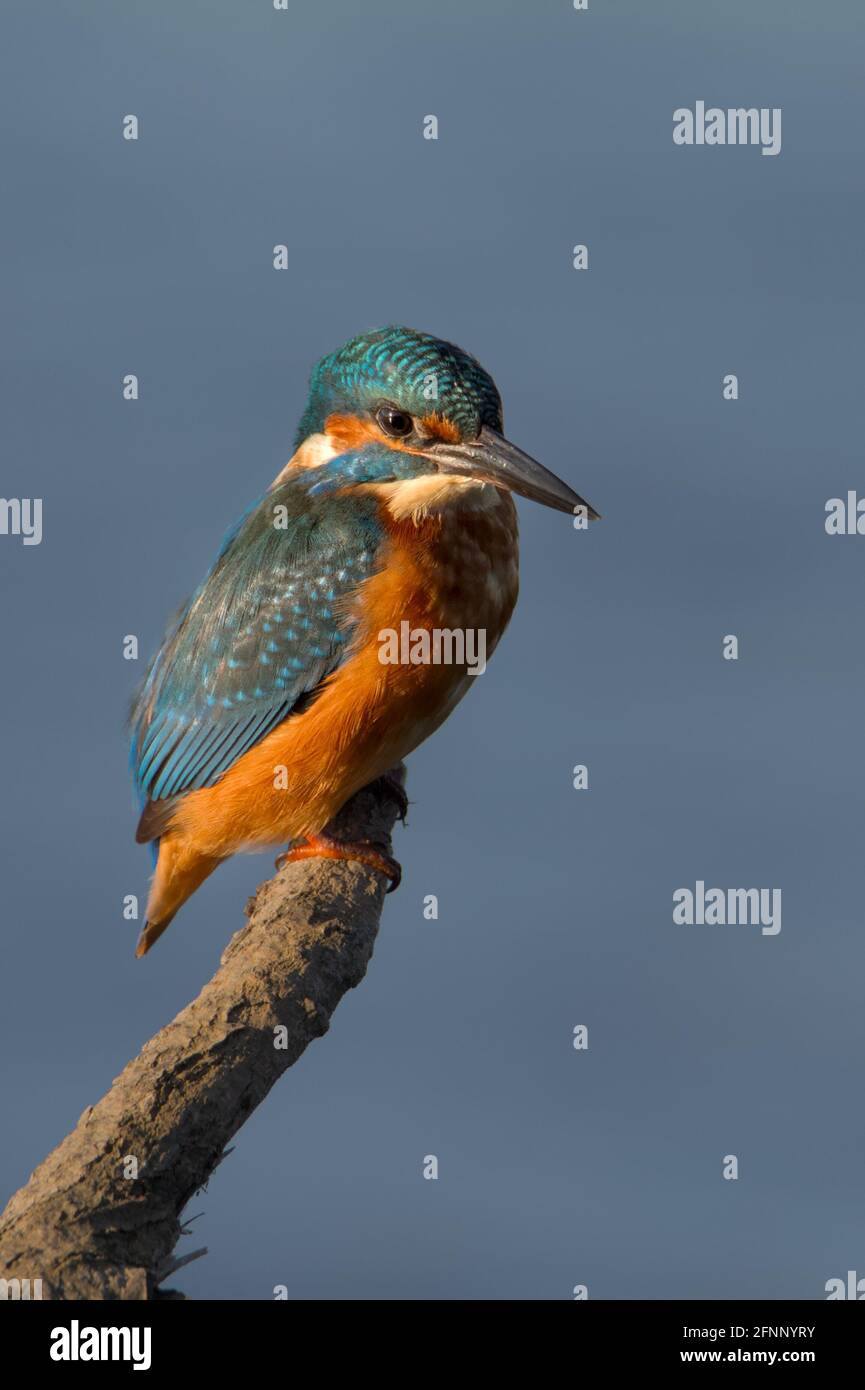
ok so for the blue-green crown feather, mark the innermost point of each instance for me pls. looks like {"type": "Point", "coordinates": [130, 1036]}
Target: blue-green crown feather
{"type": "Point", "coordinates": [400, 365]}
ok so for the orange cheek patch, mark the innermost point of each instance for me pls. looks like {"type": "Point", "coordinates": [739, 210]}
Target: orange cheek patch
{"type": "Point", "coordinates": [351, 432]}
{"type": "Point", "coordinates": [441, 428]}
{"type": "Point", "coordinates": [347, 432]}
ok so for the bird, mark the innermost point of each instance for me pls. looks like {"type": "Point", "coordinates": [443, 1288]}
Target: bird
{"type": "Point", "coordinates": [268, 704]}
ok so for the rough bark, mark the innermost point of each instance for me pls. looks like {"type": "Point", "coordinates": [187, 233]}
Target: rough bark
{"type": "Point", "coordinates": [83, 1227]}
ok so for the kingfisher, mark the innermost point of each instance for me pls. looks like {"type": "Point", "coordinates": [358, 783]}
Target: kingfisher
{"type": "Point", "coordinates": [268, 704]}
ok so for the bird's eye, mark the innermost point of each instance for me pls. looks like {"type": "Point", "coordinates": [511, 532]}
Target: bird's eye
{"type": "Point", "coordinates": [396, 423]}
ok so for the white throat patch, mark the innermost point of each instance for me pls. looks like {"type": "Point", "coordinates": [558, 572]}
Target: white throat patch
{"type": "Point", "coordinates": [417, 498]}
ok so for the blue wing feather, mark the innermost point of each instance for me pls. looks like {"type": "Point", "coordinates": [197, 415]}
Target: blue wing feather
{"type": "Point", "coordinates": [261, 633]}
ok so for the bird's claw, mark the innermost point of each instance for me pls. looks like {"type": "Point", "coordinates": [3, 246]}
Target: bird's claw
{"type": "Point", "coordinates": [392, 786]}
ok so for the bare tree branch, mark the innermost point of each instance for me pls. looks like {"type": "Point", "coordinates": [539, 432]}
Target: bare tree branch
{"type": "Point", "coordinates": [90, 1232]}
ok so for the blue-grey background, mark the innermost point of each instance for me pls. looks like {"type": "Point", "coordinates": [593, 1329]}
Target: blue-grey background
{"type": "Point", "coordinates": [155, 257]}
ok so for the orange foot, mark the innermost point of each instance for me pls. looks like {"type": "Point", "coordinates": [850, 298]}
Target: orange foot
{"type": "Point", "coordinates": [367, 852]}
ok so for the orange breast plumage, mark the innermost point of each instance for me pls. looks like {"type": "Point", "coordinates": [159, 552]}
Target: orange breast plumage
{"type": "Point", "coordinates": [455, 572]}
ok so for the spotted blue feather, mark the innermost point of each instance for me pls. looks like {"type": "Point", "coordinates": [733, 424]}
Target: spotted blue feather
{"type": "Point", "coordinates": [270, 622]}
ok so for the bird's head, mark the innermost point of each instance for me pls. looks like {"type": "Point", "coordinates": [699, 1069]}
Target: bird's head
{"type": "Point", "coordinates": [415, 415]}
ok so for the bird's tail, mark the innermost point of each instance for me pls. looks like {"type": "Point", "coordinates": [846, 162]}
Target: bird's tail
{"type": "Point", "coordinates": [180, 869]}
{"type": "Point", "coordinates": [150, 932]}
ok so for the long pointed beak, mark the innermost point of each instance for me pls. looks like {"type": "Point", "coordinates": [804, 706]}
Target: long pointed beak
{"type": "Point", "coordinates": [493, 459]}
